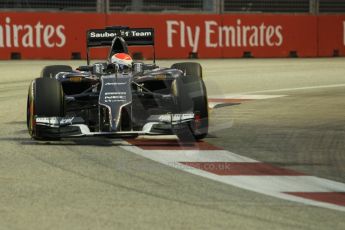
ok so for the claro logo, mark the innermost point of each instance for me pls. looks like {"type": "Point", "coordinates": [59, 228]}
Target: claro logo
{"type": "Point", "coordinates": [237, 35]}
{"type": "Point", "coordinates": [30, 36]}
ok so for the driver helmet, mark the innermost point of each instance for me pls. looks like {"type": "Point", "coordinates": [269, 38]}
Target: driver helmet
{"type": "Point", "coordinates": [123, 60]}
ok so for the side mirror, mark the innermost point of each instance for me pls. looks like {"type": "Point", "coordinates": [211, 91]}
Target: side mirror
{"type": "Point", "coordinates": [85, 68]}
{"type": "Point", "coordinates": [99, 68]}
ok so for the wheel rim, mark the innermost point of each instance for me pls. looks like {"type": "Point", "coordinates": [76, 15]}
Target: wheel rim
{"type": "Point", "coordinates": [30, 113]}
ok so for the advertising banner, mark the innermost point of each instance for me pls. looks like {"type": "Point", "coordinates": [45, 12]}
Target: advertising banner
{"type": "Point", "coordinates": [63, 35]}
{"type": "Point", "coordinates": [331, 35]}
{"type": "Point", "coordinates": [210, 36]}
{"type": "Point", "coordinates": [45, 35]}
{"type": "Point", "coordinates": [176, 35]}
{"type": "Point", "coordinates": [267, 35]}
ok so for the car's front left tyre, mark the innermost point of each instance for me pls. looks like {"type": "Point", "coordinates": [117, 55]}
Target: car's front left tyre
{"type": "Point", "coordinates": [191, 97]}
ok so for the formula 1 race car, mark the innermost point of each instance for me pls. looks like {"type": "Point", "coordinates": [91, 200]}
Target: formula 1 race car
{"type": "Point", "coordinates": [109, 99]}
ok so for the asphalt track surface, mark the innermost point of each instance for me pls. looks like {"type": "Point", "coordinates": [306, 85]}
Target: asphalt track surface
{"type": "Point", "coordinates": [95, 183]}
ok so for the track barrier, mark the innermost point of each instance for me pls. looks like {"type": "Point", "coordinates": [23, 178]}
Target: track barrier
{"type": "Point", "coordinates": [28, 35]}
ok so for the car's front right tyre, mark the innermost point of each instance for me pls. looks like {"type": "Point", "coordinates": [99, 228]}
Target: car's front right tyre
{"type": "Point", "coordinates": [45, 99]}
{"type": "Point", "coordinates": [50, 71]}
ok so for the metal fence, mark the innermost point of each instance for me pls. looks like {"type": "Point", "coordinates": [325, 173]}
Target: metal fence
{"type": "Point", "coordinates": [334, 6]}
{"type": "Point", "coordinates": [179, 6]}
{"type": "Point", "coordinates": [50, 5]}
{"type": "Point", "coordinates": [267, 6]}
{"type": "Point", "coordinates": [157, 5]}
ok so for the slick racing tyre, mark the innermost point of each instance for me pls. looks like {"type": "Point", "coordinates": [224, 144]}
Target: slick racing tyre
{"type": "Point", "coordinates": [192, 97]}
{"type": "Point", "coordinates": [51, 70]}
{"type": "Point", "coordinates": [45, 99]}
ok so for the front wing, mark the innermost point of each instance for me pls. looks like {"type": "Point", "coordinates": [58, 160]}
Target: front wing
{"type": "Point", "coordinates": [163, 124]}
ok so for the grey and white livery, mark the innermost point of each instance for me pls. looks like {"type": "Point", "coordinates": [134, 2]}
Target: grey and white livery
{"type": "Point", "coordinates": [103, 99]}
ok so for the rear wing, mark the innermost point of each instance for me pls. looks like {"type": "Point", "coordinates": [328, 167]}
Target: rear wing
{"type": "Point", "coordinates": [132, 37]}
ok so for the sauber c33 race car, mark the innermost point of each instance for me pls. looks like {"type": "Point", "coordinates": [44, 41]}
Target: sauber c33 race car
{"type": "Point", "coordinates": [110, 99]}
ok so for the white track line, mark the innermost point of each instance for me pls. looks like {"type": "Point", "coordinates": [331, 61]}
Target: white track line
{"type": "Point", "coordinates": [251, 94]}
{"type": "Point", "coordinates": [245, 96]}
{"type": "Point", "coordinates": [275, 186]}
{"type": "Point", "coordinates": [173, 156]}
{"type": "Point", "coordinates": [226, 98]}
{"type": "Point", "coordinates": [287, 89]}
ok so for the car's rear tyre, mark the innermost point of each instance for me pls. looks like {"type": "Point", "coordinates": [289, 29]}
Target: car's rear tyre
{"type": "Point", "coordinates": [192, 69]}
{"type": "Point", "coordinates": [51, 70]}
{"type": "Point", "coordinates": [192, 97]}
{"type": "Point", "coordinates": [45, 99]}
